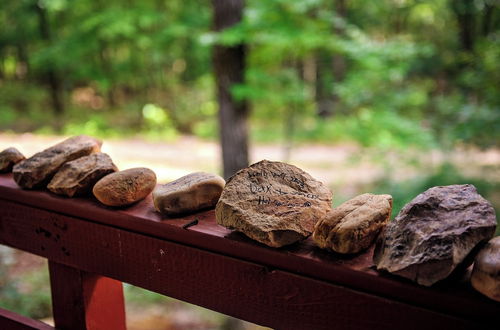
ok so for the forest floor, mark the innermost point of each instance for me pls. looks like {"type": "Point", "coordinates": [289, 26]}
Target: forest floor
{"type": "Point", "coordinates": [347, 169]}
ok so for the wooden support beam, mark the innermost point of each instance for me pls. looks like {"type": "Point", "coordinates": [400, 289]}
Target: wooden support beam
{"type": "Point", "coordinates": [82, 300]}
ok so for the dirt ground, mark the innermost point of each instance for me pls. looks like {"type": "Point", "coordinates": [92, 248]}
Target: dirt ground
{"type": "Point", "coordinates": [344, 167]}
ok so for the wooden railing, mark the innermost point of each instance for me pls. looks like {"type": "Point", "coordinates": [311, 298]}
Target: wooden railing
{"type": "Point", "coordinates": [92, 249]}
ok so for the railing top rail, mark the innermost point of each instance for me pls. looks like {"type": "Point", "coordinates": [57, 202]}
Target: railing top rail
{"type": "Point", "coordinates": [355, 272]}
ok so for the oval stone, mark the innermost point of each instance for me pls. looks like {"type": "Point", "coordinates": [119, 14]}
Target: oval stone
{"type": "Point", "coordinates": [125, 187]}
{"type": "Point", "coordinates": [353, 226]}
{"type": "Point", "coordinates": [188, 194]}
{"type": "Point", "coordinates": [486, 272]}
{"type": "Point", "coordinates": [8, 158]}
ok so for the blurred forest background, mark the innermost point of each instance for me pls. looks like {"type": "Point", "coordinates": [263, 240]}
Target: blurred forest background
{"type": "Point", "coordinates": [396, 84]}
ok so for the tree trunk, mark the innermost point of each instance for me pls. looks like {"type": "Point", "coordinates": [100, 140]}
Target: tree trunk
{"type": "Point", "coordinates": [330, 70]}
{"type": "Point", "coordinates": [338, 60]}
{"type": "Point", "coordinates": [52, 79]}
{"type": "Point", "coordinates": [464, 11]}
{"type": "Point", "coordinates": [487, 19]}
{"type": "Point", "coordinates": [324, 84]}
{"type": "Point", "coordinates": [229, 66]}
{"type": "Point", "coordinates": [22, 55]}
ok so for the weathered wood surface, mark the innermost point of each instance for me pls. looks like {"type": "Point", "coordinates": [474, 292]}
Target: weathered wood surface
{"type": "Point", "coordinates": [13, 321]}
{"type": "Point", "coordinates": [83, 300]}
{"type": "Point", "coordinates": [296, 287]}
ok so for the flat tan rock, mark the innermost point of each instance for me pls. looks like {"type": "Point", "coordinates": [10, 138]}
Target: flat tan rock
{"type": "Point", "coordinates": [125, 187]}
{"type": "Point", "coordinates": [486, 272]}
{"type": "Point", "coordinates": [38, 170]}
{"type": "Point", "coordinates": [353, 226]}
{"type": "Point", "coordinates": [8, 158]}
{"type": "Point", "coordinates": [188, 194]}
{"type": "Point", "coordinates": [77, 177]}
{"type": "Point", "coordinates": [273, 202]}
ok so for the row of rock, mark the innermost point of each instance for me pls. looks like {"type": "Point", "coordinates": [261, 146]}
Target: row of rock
{"type": "Point", "coordinates": [76, 167]}
{"type": "Point", "coordinates": [440, 230]}
{"type": "Point", "coordinates": [278, 204]}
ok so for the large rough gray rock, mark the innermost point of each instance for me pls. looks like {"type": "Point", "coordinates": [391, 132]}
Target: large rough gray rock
{"type": "Point", "coordinates": [272, 202]}
{"type": "Point", "coordinates": [190, 193]}
{"type": "Point", "coordinates": [125, 187]}
{"type": "Point", "coordinates": [8, 158]}
{"type": "Point", "coordinates": [353, 226]}
{"type": "Point", "coordinates": [434, 233]}
{"type": "Point", "coordinates": [485, 276]}
{"type": "Point", "coordinates": [36, 171]}
{"type": "Point", "coordinates": [77, 177]}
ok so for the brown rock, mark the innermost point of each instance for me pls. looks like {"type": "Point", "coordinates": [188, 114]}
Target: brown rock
{"type": "Point", "coordinates": [77, 177]}
{"type": "Point", "coordinates": [272, 202]}
{"type": "Point", "coordinates": [434, 233]}
{"type": "Point", "coordinates": [36, 171]}
{"type": "Point", "coordinates": [486, 273]}
{"type": "Point", "coordinates": [125, 187]}
{"type": "Point", "coordinates": [353, 226]}
{"type": "Point", "coordinates": [190, 193]}
{"type": "Point", "coordinates": [8, 158]}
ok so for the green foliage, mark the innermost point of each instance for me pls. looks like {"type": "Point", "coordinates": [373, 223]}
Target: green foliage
{"type": "Point", "coordinates": [388, 96]}
{"type": "Point", "coordinates": [446, 174]}
{"type": "Point", "coordinates": [27, 294]}
{"type": "Point", "coordinates": [144, 53]}
{"type": "Point", "coordinates": [141, 297]}
{"type": "Point", "coordinates": [409, 77]}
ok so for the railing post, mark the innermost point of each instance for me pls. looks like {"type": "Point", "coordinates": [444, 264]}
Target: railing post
{"type": "Point", "coordinates": [81, 300]}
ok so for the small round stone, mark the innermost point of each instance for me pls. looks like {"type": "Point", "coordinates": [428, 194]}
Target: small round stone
{"type": "Point", "coordinates": [188, 194]}
{"type": "Point", "coordinates": [125, 187]}
{"type": "Point", "coordinates": [353, 226]}
{"type": "Point", "coordinates": [8, 158]}
{"type": "Point", "coordinates": [485, 276]}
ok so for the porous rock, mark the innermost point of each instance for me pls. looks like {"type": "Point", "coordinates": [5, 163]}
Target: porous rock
{"type": "Point", "coordinates": [77, 177]}
{"type": "Point", "coordinates": [485, 276]}
{"type": "Point", "coordinates": [188, 194]}
{"type": "Point", "coordinates": [272, 202]}
{"type": "Point", "coordinates": [353, 226]}
{"type": "Point", "coordinates": [125, 187]}
{"type": "Point", "coordinates": [8, 158]}
{"type": "Point", "coordinates": [38, 170]}
{"type": "Point", "coordinates": [434, 233]}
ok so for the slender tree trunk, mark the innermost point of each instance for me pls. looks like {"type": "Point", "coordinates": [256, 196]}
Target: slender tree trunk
{"type": "Point", "coordinates": [330, 70]}
{"type": "Point", "coordinates": [339, 61]}
{"type": "Point", "coordinates": [106, 69]}
{"type": "Point", "coordinates": [324, 84]}
{"type": "Point", "coordinates": [487, 19]}
{"type": "Point", "coordinates": [229, 66]}
{"type": "Point", "coordinates": [22, 55]}
{"type": "Point", "coordinates": [464, 11]}
{"type": "Point", "coordinates": [52, 79]}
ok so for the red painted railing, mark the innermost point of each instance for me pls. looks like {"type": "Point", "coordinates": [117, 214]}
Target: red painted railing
{"type": "Point", "coordinates": [92, 249]}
